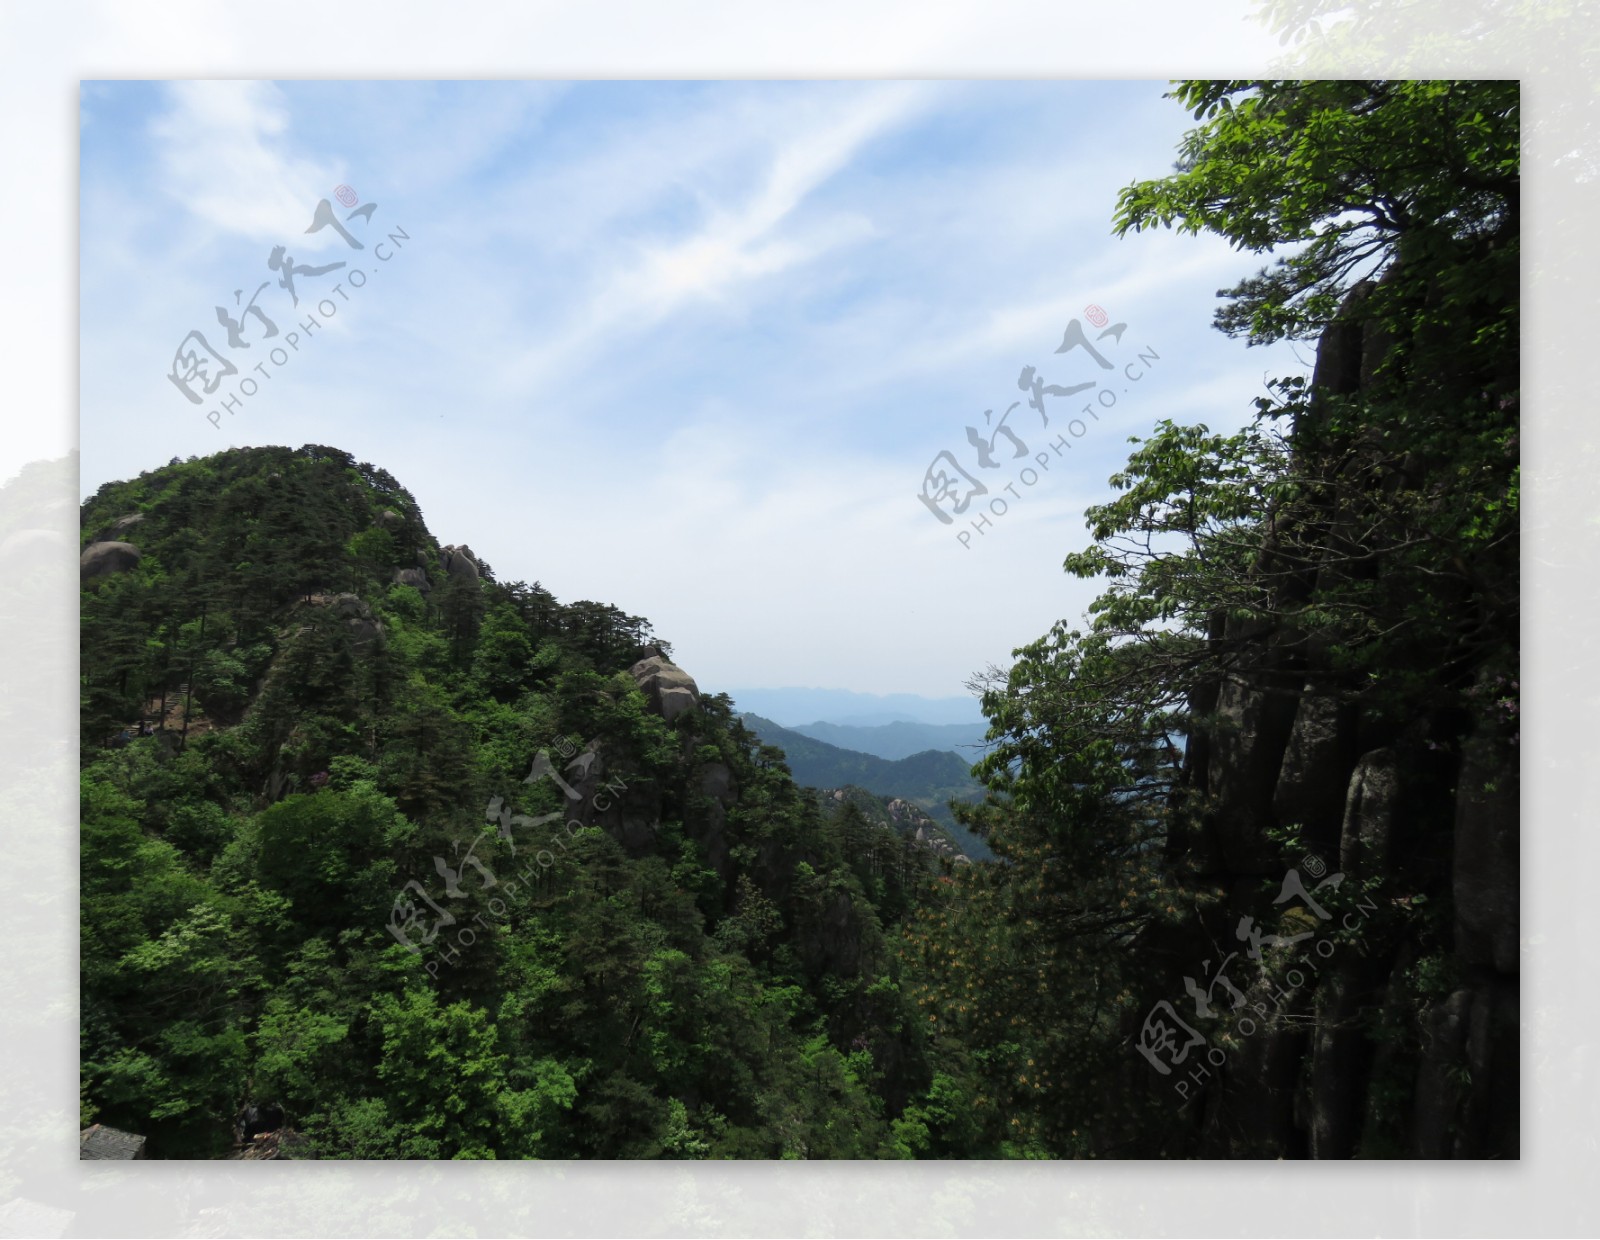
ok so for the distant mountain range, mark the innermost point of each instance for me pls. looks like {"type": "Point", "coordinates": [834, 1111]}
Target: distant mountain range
{"type": "Point", "coordinates": [928, 779]}
{"type": "Point", "coordinates": [901, 739]}
{"type": "Point", "coordinates": [789, 707]}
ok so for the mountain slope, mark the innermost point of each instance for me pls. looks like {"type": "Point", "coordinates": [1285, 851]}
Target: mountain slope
{"type": "Point", "coordinates": [423, 864]}
{"type": "Point", "coordinates": [928, 780]}
{"type": "Point", "coordinates": [901, 738]}
{"type": "Point", "coordinates": [899, 816]}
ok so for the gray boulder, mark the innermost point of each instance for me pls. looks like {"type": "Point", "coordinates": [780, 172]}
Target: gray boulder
{"type": "Point", "coordinates": [460, 562]}
{"type": "Point", "coordinates": [414, 577]}
{"type": "Point", "coordinates": [103, 559]}
{"type": "Point", "coordinates": [389, 519]}
{"type": "Point", "coordinates": [669, 689]}
{"type": "Point", "coordinates": [358, 618]}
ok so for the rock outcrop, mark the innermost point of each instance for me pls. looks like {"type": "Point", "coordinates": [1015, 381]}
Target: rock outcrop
{"type": "Point", "coordinates": [1401, 1040]}
{"type": "Point", "coordinates": [1315, 773]}
{"type": "Point", "coordinates": [359, 621]}
{"type": "Point", "coordinates": [1367, 836]}
{"type": "Point", "coordinates": [1486, 869]}
{"type": "Point", "coordinates": [97, 1142]}
{"type": "Point", "coordinates": [104, 559]}
{"type": "Point", "coordinates": [460, 562]}
{"type": "Point", "coordinates": [669, 689]}
{"type": "Point", "coordinates": [414, 577]}
{"type": "Point", "coordinates": [1247, 748]}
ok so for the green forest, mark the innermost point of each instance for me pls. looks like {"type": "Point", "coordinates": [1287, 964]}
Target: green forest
{"type": "Point", "coordinates": [931, 780]}
{"type": "Point", "coordinates": [385, 857]}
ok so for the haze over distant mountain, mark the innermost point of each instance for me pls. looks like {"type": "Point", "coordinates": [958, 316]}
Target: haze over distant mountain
{"type": "Point", "coordinates": [902, 738]}
{"type": "Point", "coordinates": [791, 707]}
{"type": "Point", "coordinates": [928, 780]}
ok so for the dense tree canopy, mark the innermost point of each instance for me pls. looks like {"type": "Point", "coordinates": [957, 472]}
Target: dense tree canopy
{"type": "Point", "coordinates": [714, 963]}
{"type": "Point", "coordinates": [1356, 545]}
{"type": "Point", "coordinates": [703, 975]}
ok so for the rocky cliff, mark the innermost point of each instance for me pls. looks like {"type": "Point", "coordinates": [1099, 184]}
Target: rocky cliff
{"type": "Point", "coordinates": [1385, 1021]}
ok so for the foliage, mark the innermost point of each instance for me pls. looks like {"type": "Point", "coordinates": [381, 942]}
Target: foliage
{"type": "Point", "coordinates": [1358, 539]}
{"type": "Point", "coordinates": [712, 962]}
{"type": "Point", "coordinates": [707, 988]}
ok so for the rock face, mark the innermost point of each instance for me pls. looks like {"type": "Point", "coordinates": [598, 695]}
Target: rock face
{"type": "Point", "coordinates": [1397, 1037]}
{"type": "Point", "coordinates": [1486, 872]}
{"type": "Point", "coordinates": [99, 1142]}
{"type": "Point", "coordinates": [359, 621]}
{"type": "Point", "coordinates": [1340, 1058]}
{"type": "Point", "coordinates": [716, 782]}
{"type": "Point", "coordinates": [389, 519]}
{"type": "Point", "coordinates": [669, 689]}
{"type": "Point", "coordinates": [460, 562]}
{"type": "Point", "coordinates": [1246, 755]}
{"type": "Point", "coordinates": [102, 559]}
{"type": "Point", "coordinates": [1367, 836]}
{"type": "Point", "coordinates": [1446, 1024]}
{"type": "Point", "coordinates": [1314, 775]}
{"type": "Point", "coordinates": [413, 577]}
{"type": "Point", "coordinates": [120, 527]}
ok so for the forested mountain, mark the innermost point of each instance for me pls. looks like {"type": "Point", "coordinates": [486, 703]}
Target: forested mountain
{"type": "Point", "coordinates": [901, 738]}
{"type": "Point", "coordinates": [929, 779]}
{"type": "Point", "coordinates": [437, 866]}
{"type": "Point", "coordinates": [407, 861]}
{"type": "Point", "coordinates": [902, 818]}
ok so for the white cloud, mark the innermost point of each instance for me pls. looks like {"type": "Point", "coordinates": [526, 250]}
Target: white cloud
{"type": "Point", "coordinates": [739, 242]}
{"type": "Point", "coordinates": [226, 158]}
{"type": "Point", "coordinates": [751, 334]}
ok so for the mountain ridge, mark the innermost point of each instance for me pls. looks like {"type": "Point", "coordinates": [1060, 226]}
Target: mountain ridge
{"type": "Point", "coordinates": [406, 856]}
{"type": "Point", "coordinates": [928, 780]}
{"type": "Point", "coordinates": [788, 707]}
{"type": "Point", "coordinates": [900, 739]}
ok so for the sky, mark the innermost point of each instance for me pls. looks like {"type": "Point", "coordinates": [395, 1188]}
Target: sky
{"type": "Point", "coordinates": [698, 350]}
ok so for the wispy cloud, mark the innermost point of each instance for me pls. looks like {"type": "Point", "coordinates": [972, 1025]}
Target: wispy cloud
{"type": "Point", "coordinates": [734, 320]}
{"type": "Point", "coordinates": [738, 241]}
{"type": "Point", "coordinates": [226, 158]}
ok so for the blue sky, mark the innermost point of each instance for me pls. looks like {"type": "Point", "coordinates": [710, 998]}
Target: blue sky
{"type": "Point", "coordinates": [688, 348]}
